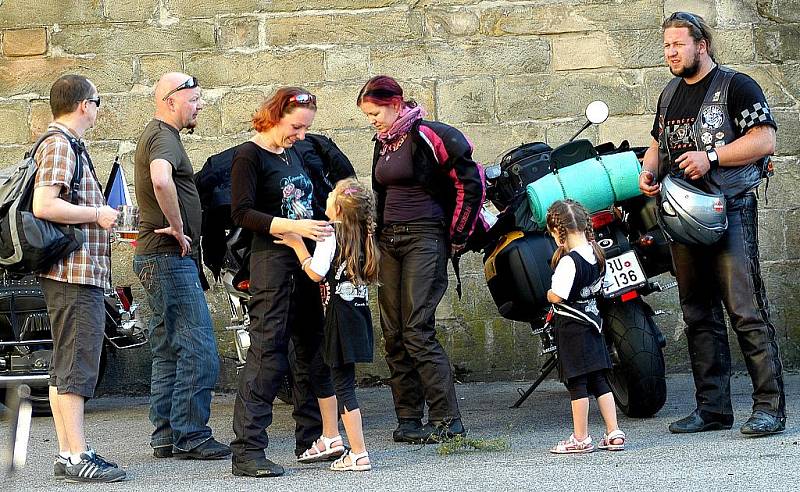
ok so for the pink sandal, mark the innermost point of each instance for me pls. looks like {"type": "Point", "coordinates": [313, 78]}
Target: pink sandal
{"type": "Point", "coordinates": [614, 441]}
{"type": "Point", "coordinates": [573, 446]}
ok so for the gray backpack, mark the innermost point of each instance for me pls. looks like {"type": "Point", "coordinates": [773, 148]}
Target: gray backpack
{"type": "Point", "coordinates": [29, 244]}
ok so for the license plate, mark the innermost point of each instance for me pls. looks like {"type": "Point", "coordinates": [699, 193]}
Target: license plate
{"type": "Point", "coordinates": [623, 273]}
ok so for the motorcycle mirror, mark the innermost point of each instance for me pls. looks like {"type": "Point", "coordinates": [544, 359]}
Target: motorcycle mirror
{"type": "Point", "coordinates": [493, 171]}
{"type": "Point", "coordinates": [597, 112]}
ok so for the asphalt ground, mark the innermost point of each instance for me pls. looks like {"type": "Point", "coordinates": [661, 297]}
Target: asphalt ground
{"type": "Point", "coordinates": [653, 459]}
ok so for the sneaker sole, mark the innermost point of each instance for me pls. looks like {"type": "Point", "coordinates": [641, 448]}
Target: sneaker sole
{"type": "Point", "coordinates": [94, 480]}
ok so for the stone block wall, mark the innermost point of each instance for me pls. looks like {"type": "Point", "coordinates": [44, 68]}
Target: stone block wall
{"type": "Point", "coordinates": [504, 71]}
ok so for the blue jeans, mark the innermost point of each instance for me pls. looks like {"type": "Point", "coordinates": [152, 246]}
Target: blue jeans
{"type": "Point", "coordinates": [185, 360]}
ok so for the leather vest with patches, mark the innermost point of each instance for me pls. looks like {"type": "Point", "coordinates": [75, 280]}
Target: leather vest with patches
{"type": "Point", "coordinates": [712, 128]}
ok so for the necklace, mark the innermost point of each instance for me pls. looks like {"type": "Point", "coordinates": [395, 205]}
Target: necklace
{"type": "Point", "coordinates": [285, 157]}
{"type": "Point", "coordinates": [393, 146]}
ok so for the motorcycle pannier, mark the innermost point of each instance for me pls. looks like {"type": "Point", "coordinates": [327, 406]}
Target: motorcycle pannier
{"type": "Point", "coordinates": [520, 166]}
{"type": "Point", "coordinates": [518, 274]}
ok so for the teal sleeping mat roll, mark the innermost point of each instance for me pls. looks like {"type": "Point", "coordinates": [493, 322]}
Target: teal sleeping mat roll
{"type": "Point", "coordinates": [596, 183]}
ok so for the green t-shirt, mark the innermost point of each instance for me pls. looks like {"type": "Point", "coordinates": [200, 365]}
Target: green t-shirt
{"type": "Point", "coordinates": [161, 141]}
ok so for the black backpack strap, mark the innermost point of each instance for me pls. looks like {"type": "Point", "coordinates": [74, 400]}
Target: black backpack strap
{"type": "Point", "coordinates": [77, 175]}
{"type": "Point", "coordinates": [78, 148]}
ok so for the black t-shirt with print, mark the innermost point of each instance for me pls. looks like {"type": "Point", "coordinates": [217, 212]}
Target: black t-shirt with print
{"type": "Point", "coordinates": [264, 185]}
{"type": "Point", "coordinates": [745, 98]}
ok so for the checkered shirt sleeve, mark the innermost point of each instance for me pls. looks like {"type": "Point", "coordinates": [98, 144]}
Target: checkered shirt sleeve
{"type": "Point", "coordinates": [752, 116]}
{"type": "Point", "coordinates": [91, 263]}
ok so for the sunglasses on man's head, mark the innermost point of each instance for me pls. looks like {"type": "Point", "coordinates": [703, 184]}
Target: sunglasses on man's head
{"type": "Point", "coordinates": [690, 18]}
{"type": "Point", "coordinates": [303, 99]}
{"type": "Point", "coordinates": [95, 100]}
{"type": "Point", "coordinates": [189, 84]}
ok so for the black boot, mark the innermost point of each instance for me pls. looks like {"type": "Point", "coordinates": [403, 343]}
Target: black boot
{"type": "Point", "coordinates": [763, 424]}
{"type": "Point", "coordinates": [437, 431]}
{"type": "Point", "coordinates": [406, 427]}
{"type": "Point", "coordinates": [258, 466]}
{"type": "Point", "coordinates": [701, 421]}
{"type": "Point", "coordinates": [447, 429]}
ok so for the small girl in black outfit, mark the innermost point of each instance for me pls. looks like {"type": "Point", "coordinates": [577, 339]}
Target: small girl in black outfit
{"type": "Point", "coordinates": [583, 358]}
{"type": "Point", "coordinates": [345, 263]}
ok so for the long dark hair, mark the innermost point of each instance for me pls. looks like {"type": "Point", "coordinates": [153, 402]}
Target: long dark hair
{"type": "Point", "coordinates": [698, 29]}
{"type": "Point", "coordinates": [565, 216]}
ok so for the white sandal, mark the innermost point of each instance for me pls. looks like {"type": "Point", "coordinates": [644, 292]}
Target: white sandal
{"type": "Point", "coordinates": [573, 446]}
{"type": "Point", "coordinates": [607, 442]}
{"type": "Point", "coordinates": [324, 454]}
{"type": "Point", "coordinates": [340, 465]}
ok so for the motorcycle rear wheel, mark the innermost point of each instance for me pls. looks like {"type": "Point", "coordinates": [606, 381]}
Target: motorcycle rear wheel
{"type": "Point", "coordinates": [635, 343]}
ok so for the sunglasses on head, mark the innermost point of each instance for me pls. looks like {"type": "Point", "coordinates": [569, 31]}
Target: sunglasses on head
{"type": "Point", "coordinates": [690, 18]}
{"type": "Point", "coordinates": [95, 100]}
{"type": "Point", "coordinates": [189, 84]}
{"type": "Point", "coordinates": [303, 99]}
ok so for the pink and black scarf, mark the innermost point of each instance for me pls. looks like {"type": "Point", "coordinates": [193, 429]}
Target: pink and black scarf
{"type": "Point", "coordinates": [403, 123]}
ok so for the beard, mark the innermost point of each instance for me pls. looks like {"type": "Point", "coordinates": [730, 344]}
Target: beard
{"type": "Point", "coordinates": [688, 70]}
{"type": "Point", "coordinates": [190, 126]}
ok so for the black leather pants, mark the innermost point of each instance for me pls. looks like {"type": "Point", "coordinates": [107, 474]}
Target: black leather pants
{"type": "Point", "coordinates": [413, 278]}
{"type": "Point", "coordinates": [728, 272]}
{"type": "Point", "coordinates": [285, 304]}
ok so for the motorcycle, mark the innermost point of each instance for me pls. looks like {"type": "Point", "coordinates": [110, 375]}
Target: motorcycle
{"type": "Point", "coordinates": [517, 254]}
{"type": "Point", "coordinates": [26, 343]}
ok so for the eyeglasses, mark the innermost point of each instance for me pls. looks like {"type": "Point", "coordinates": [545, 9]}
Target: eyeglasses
{"type": "Point", "coordinates": [303, 99]}
{"type": "Point", "coordinates": [95, 100]}
{"type": "Point", "coordinates": [189, 84]}
{"type": "Point", "coordinates": [691, 19]}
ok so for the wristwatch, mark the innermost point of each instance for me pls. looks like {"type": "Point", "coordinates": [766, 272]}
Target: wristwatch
{"type": "Point", "coordinates": [713, 158]}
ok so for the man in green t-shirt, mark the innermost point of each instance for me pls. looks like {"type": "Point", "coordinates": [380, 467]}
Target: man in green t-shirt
{"type": "Point", "coordinates": [185, 359]}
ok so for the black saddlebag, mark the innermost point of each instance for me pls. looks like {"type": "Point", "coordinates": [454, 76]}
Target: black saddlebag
{"type": "Point", "coordinates": [518, 274]}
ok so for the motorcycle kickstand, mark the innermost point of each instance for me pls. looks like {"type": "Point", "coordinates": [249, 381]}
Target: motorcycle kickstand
{"type": "Point", "coordinates": [548, 366]}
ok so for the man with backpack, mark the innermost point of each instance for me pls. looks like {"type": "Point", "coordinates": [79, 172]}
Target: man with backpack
{"type": "Point", "coordinates": [712, 134]}
{"type": "Point", "coordinates": [74, 286]}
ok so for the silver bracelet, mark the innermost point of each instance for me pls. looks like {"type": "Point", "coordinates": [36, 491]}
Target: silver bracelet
{"type": "Point", "coordinates": [96, 214]}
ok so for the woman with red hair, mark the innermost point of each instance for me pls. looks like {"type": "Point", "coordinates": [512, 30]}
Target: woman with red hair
{"type": "Point", "coordinates": [429, 195]}
{"type": "Point", "coordinates": [271, 194]}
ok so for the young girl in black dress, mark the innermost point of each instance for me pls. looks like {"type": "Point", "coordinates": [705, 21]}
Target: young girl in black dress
{"type": "Point", "coordinates": [579, 265]}
{"type": "Point", "coordinates": [345, 263]}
